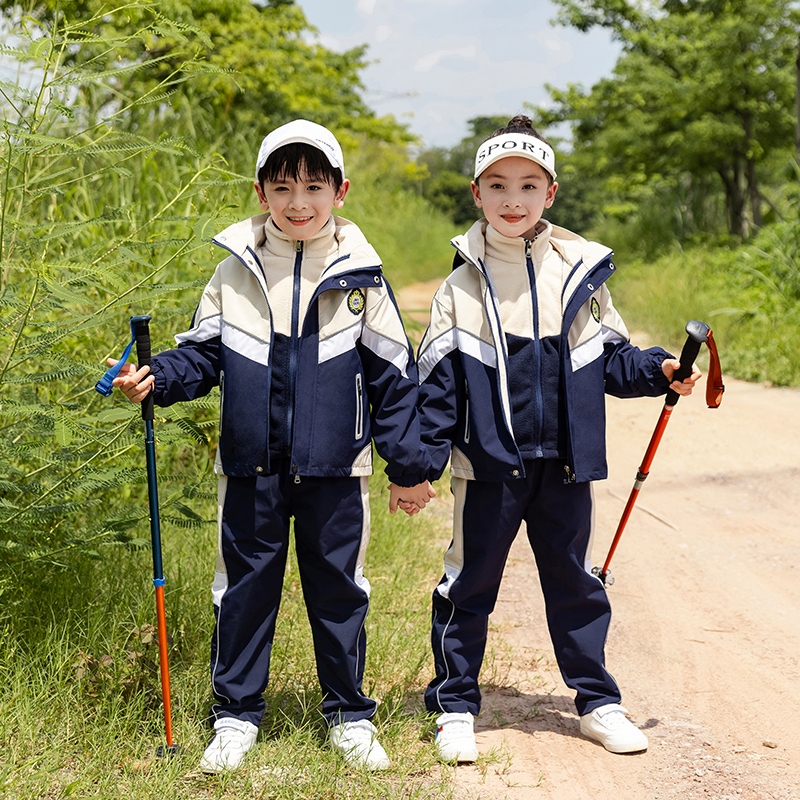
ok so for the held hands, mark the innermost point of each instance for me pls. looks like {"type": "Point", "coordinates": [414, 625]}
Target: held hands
{"type": "Point", "coordinates": [410, 499]}
{"type": "Point", "coordinates": [133, 382]}
{"type": "Point", "coordinates": [668, 367]}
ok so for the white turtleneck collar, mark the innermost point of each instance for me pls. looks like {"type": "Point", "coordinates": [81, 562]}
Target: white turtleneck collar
{"type": "Point", "coordinates": [323, 243]}
{"type": "Point", "coordinates": [512, 248]}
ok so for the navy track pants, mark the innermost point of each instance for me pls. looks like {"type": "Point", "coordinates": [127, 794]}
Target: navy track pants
{"type": "Point", "coordinates": [331, 527]}
{"type": "Point", "coordinates": [486, 519]}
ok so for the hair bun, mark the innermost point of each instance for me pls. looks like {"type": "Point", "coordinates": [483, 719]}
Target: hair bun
{"type": "Point", "coordinates": [520, 121]}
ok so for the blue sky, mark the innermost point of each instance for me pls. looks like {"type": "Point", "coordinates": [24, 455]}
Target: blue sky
{"type": "Point", "coordinates": [437, 63]}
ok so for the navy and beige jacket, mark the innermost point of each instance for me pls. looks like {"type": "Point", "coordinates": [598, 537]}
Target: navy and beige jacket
{"type": "Point", "coordinates": [307, 345]}
{"type": "Point", "coordinates": [523, 343]}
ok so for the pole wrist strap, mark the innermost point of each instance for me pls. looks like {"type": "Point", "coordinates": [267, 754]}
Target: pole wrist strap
{"type": "Point", "coordinates": [104, 385]}
{"type": "Point", "coordinates": [714, 385]}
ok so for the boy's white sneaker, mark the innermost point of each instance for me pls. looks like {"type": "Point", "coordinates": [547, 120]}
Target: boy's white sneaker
{"type": "Point", "coordinates": [234, 738]}
{"type": "Point", "coordinates": [357, 742]}
{"type": "Point", "coordinates": [455, 737]}
{"type": "Point", "coordinates": [609, 726]}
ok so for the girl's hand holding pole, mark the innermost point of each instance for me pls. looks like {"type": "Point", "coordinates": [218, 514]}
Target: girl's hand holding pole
{"type": "Point", "coordinates": [669, 366]}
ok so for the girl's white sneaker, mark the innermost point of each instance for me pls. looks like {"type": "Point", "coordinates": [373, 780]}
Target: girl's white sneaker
{"type": "Point", "coordinates": [609, 726]}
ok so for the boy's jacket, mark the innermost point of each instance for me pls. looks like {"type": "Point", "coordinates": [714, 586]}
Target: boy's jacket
{"type": "Point", "coordinates": [353, 368]}
{"type": "Point", "coordinates": [465, 392]}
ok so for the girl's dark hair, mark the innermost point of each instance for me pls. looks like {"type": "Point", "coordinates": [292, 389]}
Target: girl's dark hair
{"type": "Point", "coordinates": [288, 162]}
{"type": "Point", "coordinates": [522, 124]}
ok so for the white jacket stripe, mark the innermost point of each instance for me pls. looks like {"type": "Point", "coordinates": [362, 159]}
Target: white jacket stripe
{"type": "Point", "coordinates": [387, 349]}
{"type": "Point", "coordinates": [245, 345]}
{"type": "Point", "coordinates": [588, 351]}
{"type": "Point", "coordinates": [447, 342]}
{"type": "Point", "coordinates": [202, 331]}
{"type": "Point", "coordinates": [339, 343]}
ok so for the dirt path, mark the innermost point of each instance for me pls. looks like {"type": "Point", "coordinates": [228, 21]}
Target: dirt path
{"type": "Point", "coordinates": [705, 639]}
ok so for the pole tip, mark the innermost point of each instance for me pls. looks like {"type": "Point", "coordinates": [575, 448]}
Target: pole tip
{"type": "Point", "coordinates": [169, 752]}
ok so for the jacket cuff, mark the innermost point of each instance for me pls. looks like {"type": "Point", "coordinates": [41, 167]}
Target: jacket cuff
{"type": "Point", "coordinates": [656, 376]}
{"type": "Point", "coordinates": [407, 480]}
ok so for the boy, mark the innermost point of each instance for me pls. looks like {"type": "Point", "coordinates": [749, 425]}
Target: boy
{"type": "Point", "coordinates": [523, 341]}
{"type": "Point", "coordinates": [300, 330]}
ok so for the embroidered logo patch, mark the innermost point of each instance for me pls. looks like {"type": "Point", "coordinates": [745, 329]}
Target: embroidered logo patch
{"type": "Point", "coordinates": [356, 301]}
{"type": "Point", "coordinates": [595, 309]}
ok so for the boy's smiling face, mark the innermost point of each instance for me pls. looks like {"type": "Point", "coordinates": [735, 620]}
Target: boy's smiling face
{"type": "Point", "coordinates": [300, 206]}
{"type": "Point", "coordinates": [513, 193]}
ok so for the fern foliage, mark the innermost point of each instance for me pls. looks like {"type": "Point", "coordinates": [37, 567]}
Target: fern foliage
{"type": "Point", "coordinates": [103, 207]}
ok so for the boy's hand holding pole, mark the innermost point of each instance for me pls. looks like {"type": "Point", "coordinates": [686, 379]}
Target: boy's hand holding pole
{"type": "Point", "coordinates": [133, 381]}
{"type": "Point", "coordinates": [410, 499]}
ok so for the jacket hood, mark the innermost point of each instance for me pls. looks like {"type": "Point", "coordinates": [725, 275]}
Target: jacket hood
{"type": "Point", "coordinates": [572, 247]}
{"type": "Point", "coordinates": [353, 250]}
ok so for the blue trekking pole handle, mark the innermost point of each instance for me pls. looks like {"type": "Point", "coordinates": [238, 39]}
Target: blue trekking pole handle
{"type": "Point", "coordinates": [141, 334]}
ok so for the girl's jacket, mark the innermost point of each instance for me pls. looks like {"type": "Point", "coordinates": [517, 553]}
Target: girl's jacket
{"type": "Point", "coordinates": [352, 367]}
{"type": "Point", "coordinates": [582, 352]}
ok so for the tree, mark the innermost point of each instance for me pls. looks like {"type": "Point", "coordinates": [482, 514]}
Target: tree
{"type": "Point", "coordinates": [703, 87]}
{"type": "Point", "coordinates": [450, 171]}
{"type": "Point", "coordinates": [267, 70]}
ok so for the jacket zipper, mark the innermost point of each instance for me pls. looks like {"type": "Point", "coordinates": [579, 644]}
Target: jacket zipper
{"type": "Point", "coordinates": [359, 432]}
{"type": "Point", "coordinates": [294, 346]}
{"type": "Point", "coordinates": [537, 352]}
{"type": "Point", "coordinates": [466, 424]}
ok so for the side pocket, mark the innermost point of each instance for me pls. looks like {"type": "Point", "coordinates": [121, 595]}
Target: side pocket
{"type": "Point", "coordinates": [359, 409]}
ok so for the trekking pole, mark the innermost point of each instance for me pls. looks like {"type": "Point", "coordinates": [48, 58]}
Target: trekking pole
{"type": "Point", "coordinates": [141, 333]}
{"type": "Point", "coordinates": [698, 333]}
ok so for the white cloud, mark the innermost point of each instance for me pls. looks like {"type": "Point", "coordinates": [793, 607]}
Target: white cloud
{"type": "Point", "coordinates": [439, 63]}
{"type": "Point", "coordinates": [367, 7]}
{"type": "Point", "coordinates": [430, 60]}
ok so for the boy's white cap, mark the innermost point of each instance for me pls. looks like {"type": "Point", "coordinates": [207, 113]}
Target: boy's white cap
{"type": "Point", "coordinates": [301, 130]}
{"type": "Point", "coordinates": [515, 144]}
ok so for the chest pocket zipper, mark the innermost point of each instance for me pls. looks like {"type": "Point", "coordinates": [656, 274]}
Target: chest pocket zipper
{"type": "Point", "coordinates": [359, 409]}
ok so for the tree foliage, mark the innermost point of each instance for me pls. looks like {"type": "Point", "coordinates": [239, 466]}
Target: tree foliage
{"type": "Point", "coordinates": [703, 88]}
{"type": "Point", "coordinates": [93, 217]}
{"type": "Point", "coordinates": [450, 171]}
{"type": "Point", "coordinates": [262, 67]}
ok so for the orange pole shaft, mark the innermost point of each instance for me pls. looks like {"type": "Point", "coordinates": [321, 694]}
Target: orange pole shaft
{"type": "Point", "coordinates": [164, 659]}
{"type": "Point", "coordinates": [644, 470]}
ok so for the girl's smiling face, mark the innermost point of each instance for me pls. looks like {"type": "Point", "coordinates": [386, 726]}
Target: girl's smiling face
{"type": "Point", "coordinates": [300, 206]}
{"type": "Point", "coordinates": [513, 193]}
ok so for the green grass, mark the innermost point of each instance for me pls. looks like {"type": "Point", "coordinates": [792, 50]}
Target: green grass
{"type": "Point", "coordinates": [757, 329]}
{"type": "Point", "coordinates": [82, 711]}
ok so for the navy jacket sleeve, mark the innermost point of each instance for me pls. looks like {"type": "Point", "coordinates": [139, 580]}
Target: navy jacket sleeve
{"type": "Point", "coordinates": [391, 378]}
{"type": "Point", "coordinates": [631, 372]}
{"type": "Point", "coordinates": [440, 367]}
{"type": "Point", "coordinates": [189, 371]}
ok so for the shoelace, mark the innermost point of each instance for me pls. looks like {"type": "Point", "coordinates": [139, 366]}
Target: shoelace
{"type": "Point", "coordinates": [614, 719]}
{"type": "Point", "coordinates": [229, 736]}
{"type": "Point", "coordinates": [358, 734]}
{"type": "Point", "coordinates": [457, 727]}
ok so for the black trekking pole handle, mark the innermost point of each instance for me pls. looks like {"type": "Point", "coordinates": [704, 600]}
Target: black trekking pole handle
{"type": "Point", "coordinates": [697, 336]}
{"type": "Point", "coordinates": [141, 332]}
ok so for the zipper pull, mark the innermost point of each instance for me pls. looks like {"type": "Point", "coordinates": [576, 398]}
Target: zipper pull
{"type": "Point", "coordinates": [298, 246]}
{"type": "Point", "coordinates": [528, 246]}
{"type": "Point", "coordinates": [569, 476]}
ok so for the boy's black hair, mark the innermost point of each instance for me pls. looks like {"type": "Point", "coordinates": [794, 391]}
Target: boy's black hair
{"type": "Point", "coordinates": [522, 124]}
{"type": "Point", "coordinates": [291, 159]}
